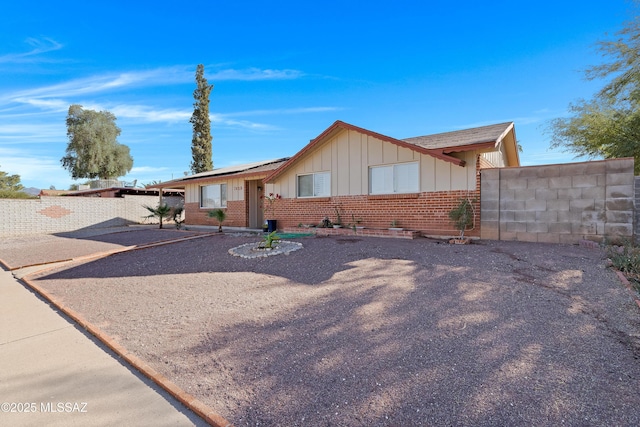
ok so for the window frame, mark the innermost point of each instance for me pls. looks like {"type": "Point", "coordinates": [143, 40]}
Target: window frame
{"type": "Point", "coordinates": [394, 170]}
{"type": "Point", "coordinates": [326, 186]}
{"type": "Point", "coordinates": [223, 196]}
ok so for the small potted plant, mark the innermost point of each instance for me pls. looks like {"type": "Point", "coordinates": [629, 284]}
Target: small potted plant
{"type": "Point", "coordinates": [395, 226]}
{"type": "Point", "coordinates": [462, 218]}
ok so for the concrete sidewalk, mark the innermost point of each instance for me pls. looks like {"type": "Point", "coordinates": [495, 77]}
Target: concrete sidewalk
{"type": "Point", "coordinates": [54, 374]}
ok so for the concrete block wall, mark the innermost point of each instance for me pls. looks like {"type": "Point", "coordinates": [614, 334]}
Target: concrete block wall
{"type": "Point", "coordinates": [49, 215]}
{"type": "Point", "coordinates": [559, 203]}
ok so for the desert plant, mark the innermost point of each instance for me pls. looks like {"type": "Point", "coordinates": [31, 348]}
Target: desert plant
{"type": "Point", "coordinates": [220, 216]}
{"type": "Point", "coordinates": [326, 223]}
{"type": "Point", "coordinates": [176, 215]}
{"type": "Point", "coordinates": [338, 220]}
{"type": "Point", "coordinates": [161, 212]}
{"type": "Point", "coordinates": [462, 215]}
{"type": "Point", "coordinates": [270, 239]}
{"type": "Point", "coordinates": [626, 258]}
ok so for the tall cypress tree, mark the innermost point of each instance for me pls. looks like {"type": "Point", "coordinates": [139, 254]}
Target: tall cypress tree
{"type": "Point", "coordinates": [201, 141]}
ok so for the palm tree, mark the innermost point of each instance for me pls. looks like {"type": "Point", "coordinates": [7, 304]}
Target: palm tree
{"type": "Point", "coordinates": [220, 216]}
{"type": "Point", "coordinates": [161, 212]}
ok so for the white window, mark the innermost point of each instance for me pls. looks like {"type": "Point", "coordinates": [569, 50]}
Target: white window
{"type": "Point", "coordinates": [213, 196]}
{"type": "Point", "coordinates": [398, 178]}
{"type": "Point", "coordinates": [314, 185]}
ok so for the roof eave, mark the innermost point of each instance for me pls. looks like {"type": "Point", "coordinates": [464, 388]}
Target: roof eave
{"type": "Point", "coordinates": [513, 154]}
{"type": "Point", "coordinates": [182, 182]}
{"type": "Point", "coordinates": [478, 146]}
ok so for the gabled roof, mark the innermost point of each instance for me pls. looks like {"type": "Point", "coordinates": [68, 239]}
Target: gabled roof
{"type": "Point", "coordinates": [339, 126]}
{"type": "Point", "coordinates": [256, 168]}
{"type": "Point", "coordinates": [463, 140]}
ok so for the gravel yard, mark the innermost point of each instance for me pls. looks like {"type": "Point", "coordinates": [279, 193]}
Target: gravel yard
{"type": "Point", "coordinates": [372, 332]}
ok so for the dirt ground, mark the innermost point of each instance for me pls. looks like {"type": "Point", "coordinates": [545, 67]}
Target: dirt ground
{"type": "Point", "coordinates": [367, 331]}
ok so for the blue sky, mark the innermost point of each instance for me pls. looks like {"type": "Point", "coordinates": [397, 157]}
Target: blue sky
{"type": "Point", "coordinates": [284, 71]}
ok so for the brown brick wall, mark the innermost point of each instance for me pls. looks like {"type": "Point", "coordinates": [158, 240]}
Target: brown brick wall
{"type": "Point", "coordinates": [236, 214]}
{"type": "Point", "coordinates": [425, 212]}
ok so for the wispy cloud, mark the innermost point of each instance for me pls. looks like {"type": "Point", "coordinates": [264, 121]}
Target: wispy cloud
{"type": "Point", "coordinates": [31, 167]}
{"type": "Point", "coordinates": [281, 111]}
{"type": "Point", "coordinates": [55, 96]}
{"type": "Point", "coordinates": [253, 74]}
{"type": "Point", "coordinates": [146, 78]}
{"type": "Point", "coordinates": [54, 105]}
{"type": "Point", "coordinates": [149, 114]}
{"type": "Point", "coordinates": [101, 83]}
{"type": "Point", "coordinates": [39, 46]}
{"type": "Point", "coordinates": [31, 133]}
{"type": "Point", "coordinates": [147, 169]}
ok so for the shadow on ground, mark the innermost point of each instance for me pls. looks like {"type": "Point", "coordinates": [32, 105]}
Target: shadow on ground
{"type": "Point", "coordinates": [375, 331]}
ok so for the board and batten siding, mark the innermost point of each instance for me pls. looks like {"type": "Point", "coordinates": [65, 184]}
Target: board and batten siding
{"type": "Point", "coordinates": [349, 154]}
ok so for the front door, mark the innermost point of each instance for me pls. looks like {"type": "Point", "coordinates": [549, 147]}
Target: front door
{"type": "Point", "coordinates": [254, 203]}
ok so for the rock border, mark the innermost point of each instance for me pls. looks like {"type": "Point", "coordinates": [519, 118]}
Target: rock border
{"type": "Point", "coordinates": [250, 250]}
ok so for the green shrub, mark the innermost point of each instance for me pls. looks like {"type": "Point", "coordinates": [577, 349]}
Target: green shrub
{"type": "Point", "coordinates": [462, 215]}
{"type": "Point", "coordinates": [10, 194]}
{"type": "Point", "coordinates": [626, 258]}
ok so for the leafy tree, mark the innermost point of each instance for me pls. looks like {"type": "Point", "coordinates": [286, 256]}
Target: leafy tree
{"type": "Point", "coordinates": [609, 124]}
{"type": "Point", "coordinates": [10, 182]}
{"type": "Point", "coordinates": [10, 187]}
{"type": "Point", "coordinates": [201, 141]}
{"type": "Point", "coordinates": [93, 150]}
